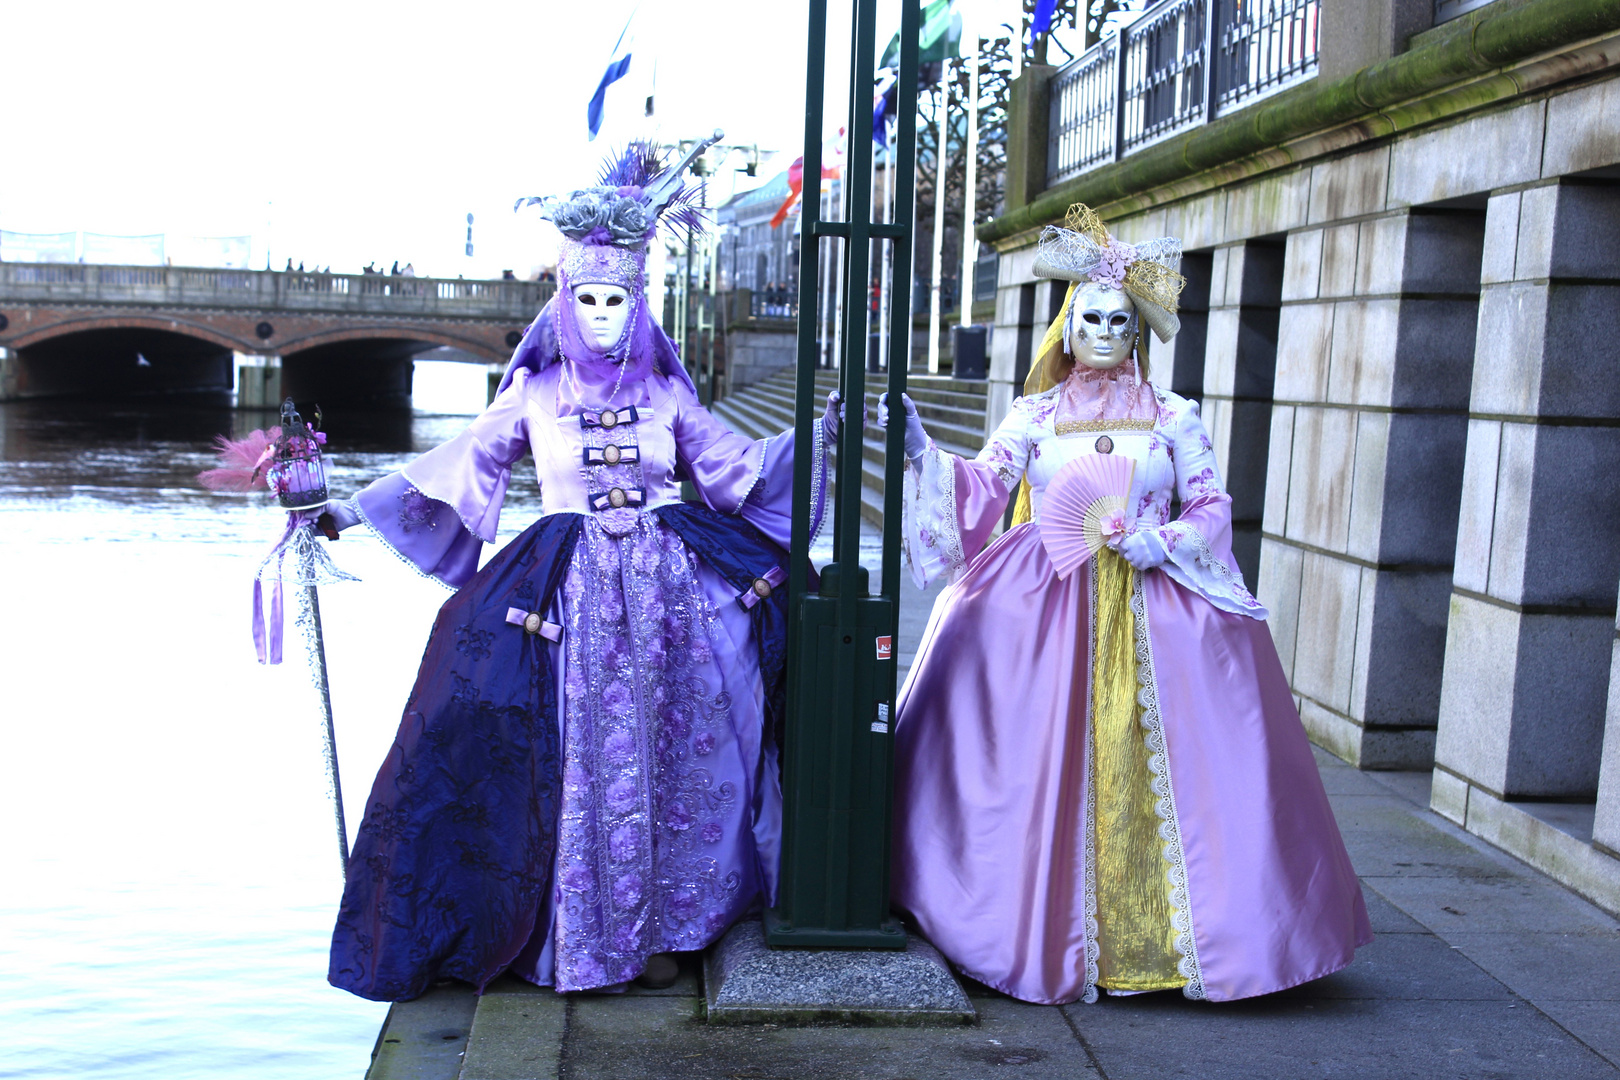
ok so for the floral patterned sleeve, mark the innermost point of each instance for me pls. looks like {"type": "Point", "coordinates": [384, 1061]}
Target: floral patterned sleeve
{"type": "Point", "coordinates": [1200, 539]}
{"type": "Point", "coordinates": [950, 506]}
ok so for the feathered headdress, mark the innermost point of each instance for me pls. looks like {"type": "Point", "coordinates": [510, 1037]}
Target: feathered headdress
{"type": "Point", "coordinates": [606, 230]}
{"type": "Point", "coordinates": [609, 226]}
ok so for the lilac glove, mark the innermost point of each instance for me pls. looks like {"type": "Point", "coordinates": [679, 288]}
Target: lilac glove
{"type": "Point", "coordinates": [916, 437]}
{"type": "Point", "coordinates": [1144, 549]}
{"type": "Point", "coordinates": [343, 513]}
{"type": "Point", "coordinates": [833, 418]}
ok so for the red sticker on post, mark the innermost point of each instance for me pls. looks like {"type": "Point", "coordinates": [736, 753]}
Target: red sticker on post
{"type": "Point", "coordinates": [885, 647]}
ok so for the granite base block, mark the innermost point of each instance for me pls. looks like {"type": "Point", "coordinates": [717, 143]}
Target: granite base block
{"type": "Point", "coordinates": [746, 982]}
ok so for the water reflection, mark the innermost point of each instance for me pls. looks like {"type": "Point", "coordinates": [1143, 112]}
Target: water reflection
{"type": "Point", "coordinates": [170, 874]}
{"type": "Point", "coordinates": [170, 870]}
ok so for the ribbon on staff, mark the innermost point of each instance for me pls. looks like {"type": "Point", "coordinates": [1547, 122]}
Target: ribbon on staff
{"type": "Point", "coordinates": [311, 566]}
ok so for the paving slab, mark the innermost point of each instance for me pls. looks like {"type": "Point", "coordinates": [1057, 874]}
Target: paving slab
{"type": "Point", "coordinates": [424, 1039]}
{"type": "Point", "coordinates": [1304, 1037]}
{"type": "Point", "coordinates": [1549, 967]}
{"type": "Point", "coordinates": [645, 1038]}
{"type": "Point", "coordinates": [1502, 902]}
{"type": "Point", "coordinates": [517, 1033]}
{"type": "Point", "coordinates": [1595, 1023]}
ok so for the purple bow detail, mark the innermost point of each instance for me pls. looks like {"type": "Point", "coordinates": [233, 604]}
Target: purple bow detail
{"type": "Point", "coordinates": [609, 418]}
{"type": "Point", "coordinates": [761, 588]}
{"type": "Point", "coordinates": [532, 623]}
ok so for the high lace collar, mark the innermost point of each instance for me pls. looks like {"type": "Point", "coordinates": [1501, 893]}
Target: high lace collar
{"type": "Point", "coordinates": [1116, 393]}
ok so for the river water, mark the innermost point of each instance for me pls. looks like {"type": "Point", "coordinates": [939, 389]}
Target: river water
{"type": "Point", "coordinates": [170, 868]}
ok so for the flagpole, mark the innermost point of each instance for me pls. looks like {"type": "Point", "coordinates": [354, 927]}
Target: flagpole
{"type": "Point", "coordinates": [969, 243]}
{"type": "Point", "coordinates": [939, 216]}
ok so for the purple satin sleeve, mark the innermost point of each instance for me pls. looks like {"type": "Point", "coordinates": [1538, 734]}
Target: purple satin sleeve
{"type": "Point", "coordinates": [737, 475]}
{"type": "Point", "coordinates": [440, 510]}
{"type": "Point", "coordinates": [424, 532]}
{"type": "Point", "coordinates": [471, 471]}
{"type": "Point", "coordinates": [981, 500]}
{"type": "Point", "coordinates": [722, 465]}
{"type": "Point", "coordinates": [769, 507]}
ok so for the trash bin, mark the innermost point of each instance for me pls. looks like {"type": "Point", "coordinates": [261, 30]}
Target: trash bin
{"type": "Point", "coordinates": [969, 345]}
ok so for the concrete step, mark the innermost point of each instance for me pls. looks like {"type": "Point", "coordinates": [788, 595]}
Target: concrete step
{"type": "Point", "coordinates": [958, 423]}
{"type": "Point", "coordinates": [955, 428]}
{"type": "Point", "coordinates": [952, 410]}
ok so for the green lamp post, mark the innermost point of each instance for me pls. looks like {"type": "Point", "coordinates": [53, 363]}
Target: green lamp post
{"type": "Point", "coordinates": [837, 761]}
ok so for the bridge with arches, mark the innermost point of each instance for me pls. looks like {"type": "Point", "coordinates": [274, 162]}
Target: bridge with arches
{"type": "Point", "coordinates": [74, 329]}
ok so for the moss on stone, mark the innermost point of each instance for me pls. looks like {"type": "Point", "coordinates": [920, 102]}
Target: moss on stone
{"type": "Point", "coordinates": [1403, 89]}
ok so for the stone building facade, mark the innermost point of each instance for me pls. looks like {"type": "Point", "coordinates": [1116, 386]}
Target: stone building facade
{"type": "Point", "coordinates": [1402, 318]}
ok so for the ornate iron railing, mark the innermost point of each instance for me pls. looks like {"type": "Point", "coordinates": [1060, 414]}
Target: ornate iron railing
{"type": "Point", "coordinates": [1153, 78]}
{"type": "Point", "coordinates": [1081, 113]}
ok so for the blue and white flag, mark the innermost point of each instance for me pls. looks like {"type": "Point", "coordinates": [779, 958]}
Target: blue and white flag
{"type": "Point", "coordinates": [617, 69]}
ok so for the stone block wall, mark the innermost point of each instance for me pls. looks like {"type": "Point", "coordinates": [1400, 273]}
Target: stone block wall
{"type": "Point", "coordinates": [1529, 640]}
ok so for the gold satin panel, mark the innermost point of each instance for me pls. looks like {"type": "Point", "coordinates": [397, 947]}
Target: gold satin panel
{"type": "Point", "coordinates": [1136, 947]}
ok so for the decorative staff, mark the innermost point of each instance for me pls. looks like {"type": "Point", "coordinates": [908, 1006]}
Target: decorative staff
{"type": "Point", "coordinates": [287, 460]}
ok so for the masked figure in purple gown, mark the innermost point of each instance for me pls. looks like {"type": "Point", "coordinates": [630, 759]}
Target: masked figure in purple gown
{"type": "Point", "coordinates": [1101, 779]}
{"type": "Point", "coordinates": [585, 775]}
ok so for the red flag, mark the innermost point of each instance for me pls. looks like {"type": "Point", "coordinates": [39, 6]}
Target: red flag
{"type": "Point", "coordinates": [796, 187]}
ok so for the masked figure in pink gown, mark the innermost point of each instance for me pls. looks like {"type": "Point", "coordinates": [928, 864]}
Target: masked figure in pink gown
{"type": "Point", "coordinates": [1101, 779]}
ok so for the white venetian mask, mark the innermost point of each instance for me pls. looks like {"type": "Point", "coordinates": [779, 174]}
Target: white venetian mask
{"type": "Point", "coordinates": [1102, 326]}
{"type": "Point", "coordinates": [601, 311]}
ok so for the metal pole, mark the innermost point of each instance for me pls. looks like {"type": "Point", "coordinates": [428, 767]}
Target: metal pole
{"type": "Point", "coordinates": [841, 679]}
{"type": "Point", "coordinates": [970, 243]}
{"type": "Point", "coordinates": [939, 216]}
{"type": "Point", "coordinates": [309, 619]}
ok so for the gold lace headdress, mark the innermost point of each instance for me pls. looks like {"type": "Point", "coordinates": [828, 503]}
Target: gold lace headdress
{"type": "Point", "coordinates": [1081, 250]}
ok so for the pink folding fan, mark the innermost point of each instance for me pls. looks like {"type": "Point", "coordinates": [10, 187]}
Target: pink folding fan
{"type": "Point", "coordinates": [1085, 506]}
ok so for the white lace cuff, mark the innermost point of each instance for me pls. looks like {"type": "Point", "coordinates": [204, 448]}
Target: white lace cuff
{"type": "Point", "coordinates": [1193, 565]}
{"type": "Point", "coordinates": [930, 529]}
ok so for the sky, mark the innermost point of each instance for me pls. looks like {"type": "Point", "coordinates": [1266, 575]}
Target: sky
{"type": "Point", "coordinates": [345, 132]}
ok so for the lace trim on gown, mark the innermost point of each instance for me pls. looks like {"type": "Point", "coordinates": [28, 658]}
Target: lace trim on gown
{"type": "Point", "coordinates": [1159, 766]}
{"type": "Point", "coordinates": [1205, 573]}
{"type": "Point", "coordinates": [931, 534]}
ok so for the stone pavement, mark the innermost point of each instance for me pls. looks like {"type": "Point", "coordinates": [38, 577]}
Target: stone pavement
{"type": "Point", "coordinates": [1483, 969]}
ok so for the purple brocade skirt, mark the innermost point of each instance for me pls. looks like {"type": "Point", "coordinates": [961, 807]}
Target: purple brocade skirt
{"type": "Point", "coordinates": [990, 850]}
{"type": "Point", "coordinates": [565, 809]}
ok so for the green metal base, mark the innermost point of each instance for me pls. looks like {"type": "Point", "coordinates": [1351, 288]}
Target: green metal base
{"type": "Point", "coordinates": [782, 934]}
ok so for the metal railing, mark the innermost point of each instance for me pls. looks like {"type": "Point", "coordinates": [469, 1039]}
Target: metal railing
{"type": "Point", "coordinates": [1153, 78]}
{"type": "Point", "coordinates": [272, 289]}
{"type": "Point", "coordinates": [774, 304]}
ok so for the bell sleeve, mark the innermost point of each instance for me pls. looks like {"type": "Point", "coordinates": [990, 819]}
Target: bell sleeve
{"type": "Point", "coordinates": [1199, 541]}
{"type": "Point", "coordinates": [949, 506]}
{"type": "Point", "coordinates": [751, 478]}
{"type": "Point", "coordinates": [439, 511]}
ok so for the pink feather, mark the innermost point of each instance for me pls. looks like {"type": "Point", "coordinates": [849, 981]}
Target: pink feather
{"type": "Point", "coordinates": [242, 462]}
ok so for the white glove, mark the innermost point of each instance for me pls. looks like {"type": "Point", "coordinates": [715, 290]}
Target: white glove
{"type": "Point", "coordinates": [343, 514]}
{"type": "Point", "coordinates": [916, 437]}
{"type": "Point", "coordinates": [1144, 549]}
